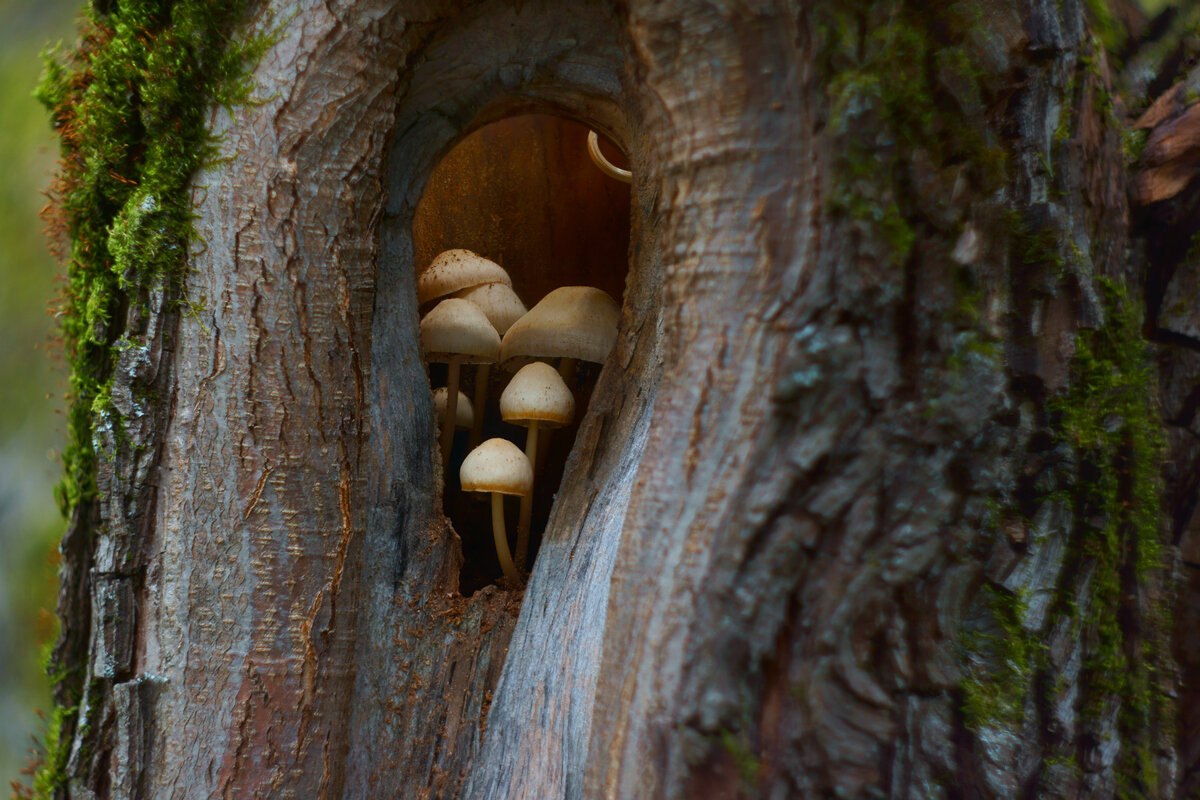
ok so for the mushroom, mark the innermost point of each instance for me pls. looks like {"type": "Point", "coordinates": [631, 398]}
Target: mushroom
{"type": "Point", "coordinates": [464, 415]}
{"type": "Point", "coordinates": [537, 395]}
{"type": "Point", "coordinates": [498, 302]}
{"type": "Point", "coordinates": [453, 270]}
{"type": "Point", "coordinates": [607, 167]}
{"type": "Point", "coordinates": [572, 322]}
{"type": "Point", "coordinates": [502, 307]}
{"type": "Point", "coordinates": [498, 466]}
{"type": "Point", "coordinates": [456, 332]}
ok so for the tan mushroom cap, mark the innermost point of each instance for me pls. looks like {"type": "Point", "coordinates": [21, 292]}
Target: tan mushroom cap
{"type": "Point", "coordinates": [499, 303]}
{"type": "Point", "coordinates": [539, 393]}
{"type": "Point", "coordinates": [458, 330]}
{"type": "Point", "coordinates": [464, 415]}
{"type": "Point", "coordinates": [499, 466]}
{"type": "Point", "coordinates": [453, 270]}
{"type": "Point", "coordinates": [570, 322]}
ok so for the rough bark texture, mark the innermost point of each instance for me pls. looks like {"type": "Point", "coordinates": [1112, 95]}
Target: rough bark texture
{"type": "Point", "coordinates": [829, 524]}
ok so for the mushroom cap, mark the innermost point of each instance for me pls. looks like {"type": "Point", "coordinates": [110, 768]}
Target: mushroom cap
{"type": "Point", "coordinates": [464, 415]}
{"type": "Point", "coordinates": [539, 393]}
{"type": "Point", "coordinates": [499, 303]}
{"type": "Point", "coordinates": [570, 322]}
{"type": "Point", "coordinates": [499, 466]}
{"type": "Point", "coordinates": [452, 270]}
{"type": "Point", "coordinates": [457, 330]}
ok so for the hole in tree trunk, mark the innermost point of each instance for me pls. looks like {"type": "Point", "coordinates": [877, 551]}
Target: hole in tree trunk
{"type": "Point", "coordinates": [524, 193]}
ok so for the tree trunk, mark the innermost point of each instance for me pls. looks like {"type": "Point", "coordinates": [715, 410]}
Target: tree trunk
{"type": "Point", "coordinates": [868, 500]}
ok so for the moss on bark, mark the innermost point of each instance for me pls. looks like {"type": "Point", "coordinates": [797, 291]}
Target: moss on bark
{"type": "Point", "coordinates": [936, 108]}
{"type": "Point", "coordinates": [130, 105]}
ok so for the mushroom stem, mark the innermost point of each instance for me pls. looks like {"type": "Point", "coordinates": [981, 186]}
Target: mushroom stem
{"type": "Point", "coordinates": [566, 368]}
{"type": "Point", "coordinates": [501, 537]}
{"type": "Point", "coordinates": [531, 445]}
{"type": "Point", "coordinates": [447, 439]}
{"type": "Point", "coordinates": [481, 386]}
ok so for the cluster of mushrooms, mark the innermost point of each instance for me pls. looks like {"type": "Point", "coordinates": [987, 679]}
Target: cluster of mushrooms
{"type": "Point", "coordinates": [480, 320]}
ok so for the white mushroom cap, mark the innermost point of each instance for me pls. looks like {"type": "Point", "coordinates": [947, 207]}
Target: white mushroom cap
{"type": "Point", "coordinates": [570, 322]}
{"type": "Point", "coordinates": [499, 303]}
{"type": "Point", "coordinates": [457, 330]}
{"type": "Point", "coordinates": [539, 393]}
{"type": "Point", "coordinates": [464, 415]}
{"type": "Point", "coordinates": [453, 270]}
{"type": "Point", "coordinates": [499, 466]}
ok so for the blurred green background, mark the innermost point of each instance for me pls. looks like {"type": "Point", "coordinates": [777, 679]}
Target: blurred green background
{"type": "Point", "coordinates": [31, 380]}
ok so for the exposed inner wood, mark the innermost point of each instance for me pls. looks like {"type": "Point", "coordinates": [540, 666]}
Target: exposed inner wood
{"type": "Point", "coordinates": [524, 193]}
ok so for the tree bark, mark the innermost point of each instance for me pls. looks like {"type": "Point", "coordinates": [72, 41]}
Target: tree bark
{"type": "Point", "coordinates": [868, 500]}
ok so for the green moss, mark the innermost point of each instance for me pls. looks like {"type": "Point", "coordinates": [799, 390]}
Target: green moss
{"type": "Point", "coordinates": [1111, 420]}
{"type": "Point", "coordinates": [50, 775]}
{"type": "Point", "coordinates": [1109, 30]}
{"type": "Point", "coordinates": [748, 766]}
{"type": "Point", "coordinates": [1110, 416]}
{"type": "Point", "coordinates": [1066, 114]}
{"type": "Point", "coordinates": [1108, 421]}
{"type": "Point", "coordinates": [130, 107]}
{"type": "Point", "coordinates": [907, 91]}
{"type": "Point", "coordinates": [1002, 658]}
{"type": "Point", "coordinates": [1060, 762]}
{"type": "Point", "coordinates": [1033, 245]}
{"type": "Point", "coordinates": [126, 107]}
{"type": "Point", "coordinates": [898, 86]}
{"type": "Point", "coordinates": [1133, 142]}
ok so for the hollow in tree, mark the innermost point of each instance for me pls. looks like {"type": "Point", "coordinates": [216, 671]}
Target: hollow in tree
{"type": "Point", "coordinates": [887, 487]}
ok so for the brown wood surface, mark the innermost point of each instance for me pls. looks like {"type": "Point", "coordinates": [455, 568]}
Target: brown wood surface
{"type": "Point", "coordinates": [524, 193]}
